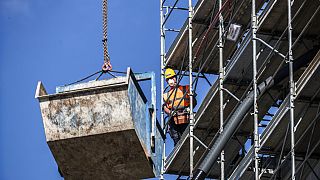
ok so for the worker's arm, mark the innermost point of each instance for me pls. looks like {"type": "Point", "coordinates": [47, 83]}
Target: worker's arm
{"type": "Point", "coordinates": [194, 102]}
{"type": "Point", "coordinates": [166, 109]}
{"type": "Point", "coordinates": [164, 106]}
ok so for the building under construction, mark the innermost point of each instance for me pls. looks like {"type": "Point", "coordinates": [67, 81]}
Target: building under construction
{"type": "Point", "coordinates": [258, 120]}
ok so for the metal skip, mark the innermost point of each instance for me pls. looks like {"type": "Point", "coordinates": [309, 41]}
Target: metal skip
{"type": "Point", "coordinates": [102, 129]}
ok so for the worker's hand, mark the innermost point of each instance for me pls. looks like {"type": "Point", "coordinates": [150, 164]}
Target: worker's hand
{"type": "Point", "coordinates": [195, 94]}
{"type": "Point", "coordinates": [173, 113]}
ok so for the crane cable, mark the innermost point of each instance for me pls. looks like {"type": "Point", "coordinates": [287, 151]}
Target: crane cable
{"type": "Point", "coordinates": [106, 58]}
{"type": "Point", "coordinates": [106, 67]}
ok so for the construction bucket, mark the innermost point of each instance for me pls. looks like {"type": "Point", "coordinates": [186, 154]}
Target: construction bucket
{"type": "Point", "coordinates": [103, 129]}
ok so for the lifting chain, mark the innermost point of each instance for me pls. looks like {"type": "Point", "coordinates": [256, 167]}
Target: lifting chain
{"type": "Point", "coordinates": [106, 65]}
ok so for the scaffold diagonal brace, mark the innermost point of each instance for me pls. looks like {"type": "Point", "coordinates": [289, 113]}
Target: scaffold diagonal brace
{"type": "Point", "coordinates": [230, 93]}
{"type": "Point", "coordinates": [204, 145]}
{"type": "Point", "coordinates": [270, 47]}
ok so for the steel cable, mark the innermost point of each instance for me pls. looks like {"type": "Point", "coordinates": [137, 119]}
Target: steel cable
{"type": "Point", "coordinates": [106, 58]}
{"type": "Point", "coordinates": [83, 78]}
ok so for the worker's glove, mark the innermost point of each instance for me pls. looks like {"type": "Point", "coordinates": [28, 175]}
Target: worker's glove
{"type": "Point", "coordinates": [187, 110]}
{"type": "Point", "coordinates": [195, 94]}
{"type": "Point", "coordinates": [173, 113]}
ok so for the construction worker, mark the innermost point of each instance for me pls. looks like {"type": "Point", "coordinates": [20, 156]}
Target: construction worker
{"type": "Point", "coordinates": [176, 105]}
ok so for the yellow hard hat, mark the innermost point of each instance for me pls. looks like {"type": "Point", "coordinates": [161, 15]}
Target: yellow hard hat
{"type": "Point", "coordinates": [169, 73]}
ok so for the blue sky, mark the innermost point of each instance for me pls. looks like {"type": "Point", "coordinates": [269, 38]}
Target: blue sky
{"type": "Point", "coordinates": [57, 42]}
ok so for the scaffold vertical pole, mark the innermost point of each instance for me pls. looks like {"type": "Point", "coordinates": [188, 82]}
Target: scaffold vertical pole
{"type": "Point", "coordinates": [221, 79]}
{"type": "Point", "coordinates": [162, 61]}
{"type": "Point", "coordinates": [292, 91]}
{"type": "Point", "coordinates": [255, 104]}
{"type": "Point", "coordinates": [190, 17]}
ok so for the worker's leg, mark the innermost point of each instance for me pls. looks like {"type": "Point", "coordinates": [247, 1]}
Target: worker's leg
{"type": "Point", "coordinates": [174, 134]}
{"type": "Point", "coordinates": [181, 128]}
{"type": "Point", "coordinates": [184, 127]}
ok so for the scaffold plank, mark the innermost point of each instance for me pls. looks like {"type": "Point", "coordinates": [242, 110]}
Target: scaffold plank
{"type": "Point", "coordinates": [208, 50]}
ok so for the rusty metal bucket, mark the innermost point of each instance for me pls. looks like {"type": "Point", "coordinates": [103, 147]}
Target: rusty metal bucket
{"type": "Point", "coordinates": [103, 129]}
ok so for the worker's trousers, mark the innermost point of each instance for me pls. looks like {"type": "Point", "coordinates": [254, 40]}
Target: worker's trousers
{"type": "Point", "coordinates": [176, 131]}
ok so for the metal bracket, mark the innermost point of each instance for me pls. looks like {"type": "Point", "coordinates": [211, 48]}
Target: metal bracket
{"type": "Point", "coordinates": [172, 30]}
{"type": "Point", "coordinates": [173, 7]}
{"type": "Point", "coordinates": [295, 90]}
{"type": "Point", "coordinates": [167, 11]}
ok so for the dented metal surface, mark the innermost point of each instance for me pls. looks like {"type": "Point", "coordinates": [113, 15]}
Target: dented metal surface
{"type": "Point", "coordinates": [101, 129]}
{"type": "Point", "coordinates": [83, 114]}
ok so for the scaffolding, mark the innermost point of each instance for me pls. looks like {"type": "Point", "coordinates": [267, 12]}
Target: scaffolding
{"type": "Point", "coordinates": [265, 94]}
